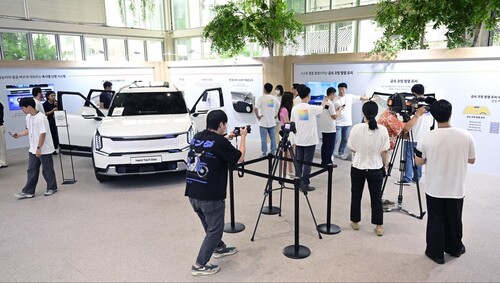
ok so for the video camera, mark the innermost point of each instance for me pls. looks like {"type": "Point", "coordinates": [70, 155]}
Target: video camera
{"type": "Point", "coordinates": [406, 104]}
{"type": "Point", "coordinates": [237, 130]}
{"type": "Point", "coordinates": [289, 127]}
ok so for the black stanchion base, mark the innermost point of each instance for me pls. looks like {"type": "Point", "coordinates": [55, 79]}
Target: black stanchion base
{"type": "Point", "coordinates": [236, 228]}
{"type": "Point", "coordinates": [300, 252]}
{"type": "Point", "coordinates": [68, 182]}
{"type": "Point", "coordinates": [270, 210]}
{"type": "Point", "coordinates": [329, 229]}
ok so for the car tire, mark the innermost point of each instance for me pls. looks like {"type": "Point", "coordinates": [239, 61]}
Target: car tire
{"type": "Point", "coordinates": [102, 178]}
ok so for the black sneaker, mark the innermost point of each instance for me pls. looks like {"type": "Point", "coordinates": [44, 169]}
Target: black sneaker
{"type": "Point", "coordinates": [402, 182]}
{"type": "Point", "coordinates": [461, 252]}
{"type": "Point", "coordinates": [218, 253]}
{"type": "Point", "coordinates": [208, 269]}
{"type": "Point", "coordinates": [387, 202]}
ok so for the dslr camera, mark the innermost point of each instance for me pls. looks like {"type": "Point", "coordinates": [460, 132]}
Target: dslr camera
{"type": "Point", "coordinates": [289, 127]}
{"type": "Point", "coordinates": [237, 130]}
{"type": "Point", "coordinates": [406, 104]}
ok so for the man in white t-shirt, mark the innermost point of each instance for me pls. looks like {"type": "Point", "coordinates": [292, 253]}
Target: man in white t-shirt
{"type": "Point", "coordinates": [328, 128]}
{"type": "Point", "coordinates": [266, 111]}
{"type": "Point", "coordinates": [37, 96]}
{"type": "Point", "coordinates": [296, 97]}
{"type": "Point", "coordinates": [445, 151]}
{"type": "Point", "coordinates": [419, 130]}
{"type": "Point", "coordinates": [306, 138]}
{"type": "Point", "coordinates": [343, 105]}
{"type": "Point", "coordinates": [40, 151]}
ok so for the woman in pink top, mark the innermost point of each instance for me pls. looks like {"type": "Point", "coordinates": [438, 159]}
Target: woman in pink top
{"type": "Point", "coordinates": [284, 116]}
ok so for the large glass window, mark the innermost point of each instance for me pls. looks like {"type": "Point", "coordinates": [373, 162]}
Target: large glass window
{"type": "Point", "coordinates": [369, 33]}
{"type": "Point", "coordinates": [44, 46]}
{"type": "Point", "coordinates": [496, 36]}
{"type": "Point", "coordinates": [94, 49]}
{"type": "Point", "coordinates": [15, 46]}
{"type": "Point", "coordinates": [296, 49]}
{"type": "Point", "coordinates": [188, 48]}
{"type": "Point", "coordinates": [317, 38]}
{"type": "Point", "coordinates": [338, 4]}
{"type": "Point", "coordinates": [135, 13]}
{"type": "Point", "coordinates": [343, 37]}
{"type": "Point", "coordinates": [71, 47]}
{"type": "Point", "coordinates": [136, 50]}
{"type": "Point", "coordinates": [116, 49]}
{"type": "Point", "coordinates": [368, 2]}
{"type": "Point", "coordinates": [155, 50]}
{"type": "Point", "coordinates": [435, 38]}
{"type": "Point", "coordinates": [186, 14]}
{"type": "Point", "coordinates": [317, 5]}
{"type": "Point", "coordinates": [299, 6]}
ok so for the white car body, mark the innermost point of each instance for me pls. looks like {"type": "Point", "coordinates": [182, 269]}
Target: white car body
{"type": "Point", "coordinates": [130, 139]}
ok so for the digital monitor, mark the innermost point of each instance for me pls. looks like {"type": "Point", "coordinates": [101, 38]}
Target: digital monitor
{"type": "Point", "coordinates": [16, 92]}
{"type": "Point", "coordinates": [318, 90]}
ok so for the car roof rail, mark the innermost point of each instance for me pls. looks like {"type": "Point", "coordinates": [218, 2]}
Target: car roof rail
{"type": "Point", "coordinates": [139, 84]}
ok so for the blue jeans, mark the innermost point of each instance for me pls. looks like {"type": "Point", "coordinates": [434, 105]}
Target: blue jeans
{"type": "Point", "coordinates": [409, 174]}
{"type": "Point", "coordinates": [344, 132]}
{"type": "Point", "coordinates": [48, 173]}
{"type": "Point", "coordinates": [263, 139]}
{"type": "Point", "coordinates": [211, 214]}
{"type": "Point", "coordinates": [304, 153]}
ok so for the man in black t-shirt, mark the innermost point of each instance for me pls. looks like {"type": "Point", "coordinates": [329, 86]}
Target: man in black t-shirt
{"type": "Point", "coordinates": [106, 96]}
{"type": "Point", "coordinates": [209, 158]}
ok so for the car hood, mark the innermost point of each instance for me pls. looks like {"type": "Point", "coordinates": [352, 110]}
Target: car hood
{"type": "Point", "coordinates": [144, 126]}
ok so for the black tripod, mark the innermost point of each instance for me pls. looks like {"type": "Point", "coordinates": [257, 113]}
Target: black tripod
{"type": "Point", "coordinates": [293, 251]}
{"type": "Point", "coordinates": [402, 168]}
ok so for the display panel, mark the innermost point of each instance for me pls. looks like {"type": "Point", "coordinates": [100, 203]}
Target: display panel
{"type": "Point", "coordinates": [16, 92]}
{"type": "Point", "coordinates": [318, 90]}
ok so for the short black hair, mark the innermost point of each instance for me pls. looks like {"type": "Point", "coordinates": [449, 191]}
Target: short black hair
{"type": "Point", "coordinates": [280, 88]}
{"type": "Point", "coordinates": [214, 118]}
{"type": "Point", "coordinates": [35, 91]}
{"type": "Point", "coordinates": [27, 101]}
{"type": "Point", "coordinates": [295, 85]}
{"type": "Point", "coordinates": [342, 85]}
{"type": "Point", "coordinates": [268, 87]}
{"type": "Point", "coordinates": [418, 89]}
{"type": "Point", "coordinates": [441, 110]}
{"type": "Point", "coordinates": [330, 90]}
{"type": "Point", "coordinates": [303, 91]}
{"type": "Point", "coordinates": [107, 84]}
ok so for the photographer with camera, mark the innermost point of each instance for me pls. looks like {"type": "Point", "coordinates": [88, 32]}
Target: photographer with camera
{"type": "Point", "coordinates": [209, 158]}
{"type": "Point", "coordinates": [306, 138]}
{"type": "Point", "coordinates": [421, 127]}
{"type": "Point", "coordinates": [445, 151]}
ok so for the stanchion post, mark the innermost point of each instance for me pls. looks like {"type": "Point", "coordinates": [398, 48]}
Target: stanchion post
{"type": "Point", "coordinates": [296, 251]}
{"type": "Point", "coordinates": [232, 227]}
{"type": "Point", "coordinates": [329, 228]}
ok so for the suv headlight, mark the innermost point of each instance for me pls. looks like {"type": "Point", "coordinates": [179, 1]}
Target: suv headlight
{"type": "Point", "coordinates": [190, 134]}
{"type": "Point", "coordinates": [97, 141]}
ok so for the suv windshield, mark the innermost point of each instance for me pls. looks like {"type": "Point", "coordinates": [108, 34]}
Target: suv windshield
{"type": "Point", "coordinates": [149, 103]}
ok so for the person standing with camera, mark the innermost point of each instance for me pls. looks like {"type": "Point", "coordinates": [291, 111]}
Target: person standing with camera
{"type": "Point", "coordinates": [209, 158]}
{"type": "Point", "coordinates": [328, 128]}
{"type": "Point", "coordinates": [445, 151]}
{"type": "Point", "coordinates": [306, 138]}
{"type": "Point", "coordinates": [369, 143]}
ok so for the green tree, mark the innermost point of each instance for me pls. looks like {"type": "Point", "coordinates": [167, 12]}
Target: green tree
{"type": "Point", "coordinates": [43, 48]}
{"type": "Point", "coordinates": [144, 7]}
{"type": "Point", "coordinates": [15, 46]}
{"type": "Point", "coordinates": [404, 22]}
{"type": "Point", "coordinates": [237, 23]}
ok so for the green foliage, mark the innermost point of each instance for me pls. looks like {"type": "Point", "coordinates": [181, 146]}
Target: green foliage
{"type": "Point", "coordinates": [15, 46]}
{"type": "Point", "coordinates": [407, 19]}
{"type": "Point", "coordinates": [239, 22]}
{"type": "Point", "coordinates": [144, 7]}
{"type": "Point", "coordinates": [43, 48]}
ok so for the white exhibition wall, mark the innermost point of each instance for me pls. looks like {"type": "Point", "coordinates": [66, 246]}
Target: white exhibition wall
{"type": "Point", "coordinates": [472, 87]}
{"type": "Point", "coordinates": [16, 82]}
{"type": "Point", "coordinates": [247, 78]}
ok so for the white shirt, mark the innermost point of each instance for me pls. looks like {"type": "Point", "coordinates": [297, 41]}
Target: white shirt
{"type": "Point", "coordinates": [422, 127]}
{"type": "Point", "coordinates": [447, 151]}
{"type": "Point", "coordinates": [368, 146]}
{"type": "Point", "coordinates": [268, 106]}
{"type": "Point", "coordinates": [39, 106]}
{"type": "Point", "coordinates": [345, 118]}
{"type": "Point", "coordinates": [37, 125]}
{"type": "Point", "coordinates": [327, 123]}
{"type": "Point", "coordinates": [297, 100]}
{"type": "Point", "coordinates": [304, 116]}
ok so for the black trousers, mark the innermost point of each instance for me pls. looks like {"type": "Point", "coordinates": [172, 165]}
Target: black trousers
{"type": "Point", "coordinates": [444, 226]}
{"type": "Point", "coordinates": [328, 143]}
{"type": "Point", "coordinates": [375, 178]}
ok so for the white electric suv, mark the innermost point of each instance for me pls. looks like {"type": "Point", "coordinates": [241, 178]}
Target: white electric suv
{"type": "Point", "coordinates": [146, 130]}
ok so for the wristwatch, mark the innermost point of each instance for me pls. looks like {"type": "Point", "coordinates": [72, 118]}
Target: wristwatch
{"type": "Point", "coordinates": [37, 147]}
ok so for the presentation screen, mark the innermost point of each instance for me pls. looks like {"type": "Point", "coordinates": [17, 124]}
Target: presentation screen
{"type": "Point", "coordinates": [16, 92]}
{"type": "Point", "coordinates": [318, 90]}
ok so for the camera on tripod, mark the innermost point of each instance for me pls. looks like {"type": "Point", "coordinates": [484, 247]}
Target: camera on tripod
{"type": "Point", "coordinates": [289, 127]}
{"type": "Point", "coordinates": [238, 129]}
{"type": "Point", "coordinates": [406, 104]}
